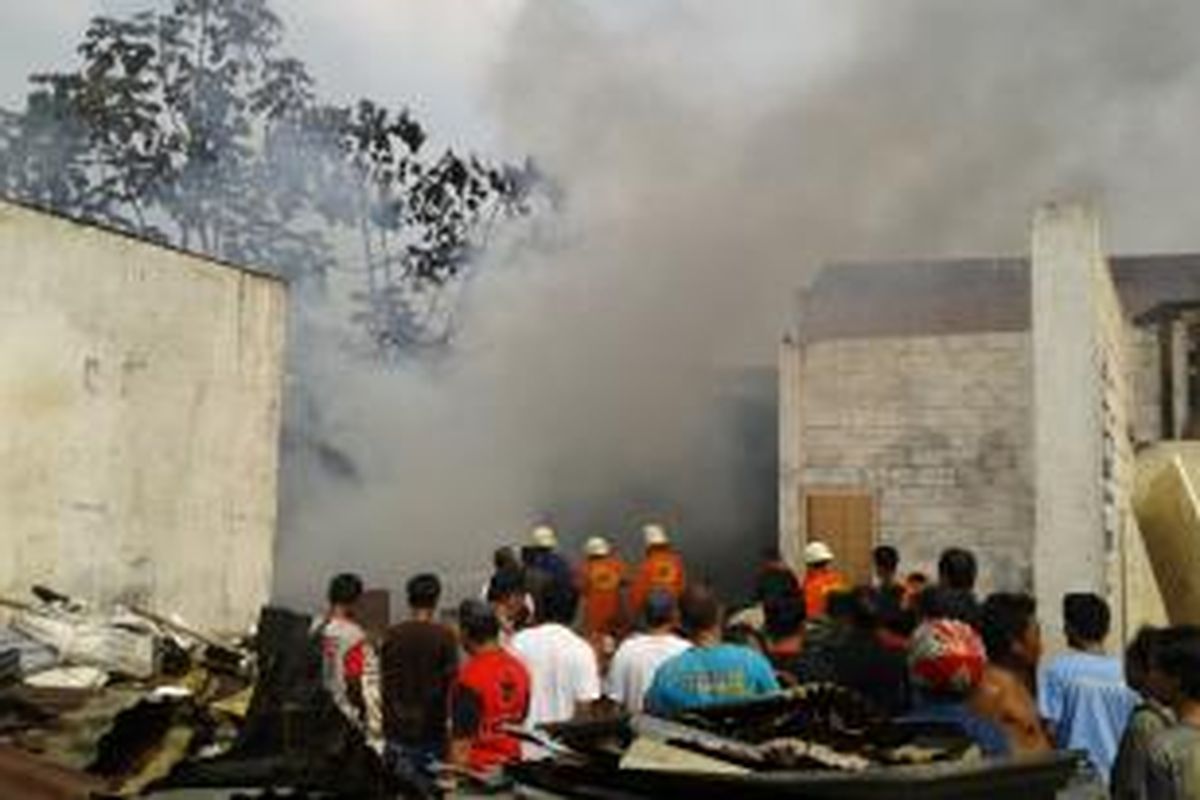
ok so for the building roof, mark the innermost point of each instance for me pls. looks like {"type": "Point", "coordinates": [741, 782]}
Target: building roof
{"type": "Point", "coordinates": [969, 295]}
{"type": "Point", "coordinates": [37, 208]}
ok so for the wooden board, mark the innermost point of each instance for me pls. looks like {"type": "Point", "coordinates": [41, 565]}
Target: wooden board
{"type": "Point", "coordinates": [844, 520]}
{"type": "Point", "coordinates": [1169, 517]}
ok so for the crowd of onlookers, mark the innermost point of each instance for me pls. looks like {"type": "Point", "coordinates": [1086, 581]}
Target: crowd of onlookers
{"type": "Point", "coordinates": [547, 641]}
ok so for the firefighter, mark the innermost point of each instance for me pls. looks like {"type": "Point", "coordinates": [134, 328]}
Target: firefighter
{"type": "Point", "coordinates": [543, 564]}
{"type": "Point", "coordinates": [601, 580]}
{"type": "Point", "coordinates": [662, 568]}
{"type": "Point", "coordinates": [820, 578]}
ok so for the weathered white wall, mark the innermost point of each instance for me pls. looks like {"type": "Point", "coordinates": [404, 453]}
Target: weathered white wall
{"type": "Point", "coordinates": [139, 399]}
{"type": "Point", "coordinates": [938, 426]}
{"type": "Point", "coordinates": [1083, 413]}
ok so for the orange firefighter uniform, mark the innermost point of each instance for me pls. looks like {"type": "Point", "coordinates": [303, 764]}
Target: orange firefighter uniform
{"type": "Point", "coordinates": [601, 580]}
{"type": "Point", "coordinates": [819, 583]}
{"type": "Point", "coordinates": [661, 569]}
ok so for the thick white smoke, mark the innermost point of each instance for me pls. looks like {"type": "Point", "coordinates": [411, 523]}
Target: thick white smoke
{"type": "Point", "coordinates": [713, 155]}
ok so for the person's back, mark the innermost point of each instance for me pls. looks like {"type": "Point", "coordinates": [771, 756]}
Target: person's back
{"type": "Point", "coordinates": [349, 667]}
{"type": "Point", "coordinates": [709, 672]}
{"type": "Point", "coordinates": [821, 579]}
{"type": "Point", "coordinates": [1152, 716]}
{"type": "Point", "coordinates": [662, 569]}
{"type": "Point", "coordinates": [1173, 772]}
{"type": "Point", "coordinates": [1012, 636]}
{"type": "Point", "coordinates": [1082, 693]}
{"type": "Point", "coordinates": [601, 579]}
{"type": "Point", "coordinates": [490, 692]}
{"type": "Point", "coordinates": [786, 648]}
{"type": "Point", "coordinates": [638, 657]}
{"type": "Point", "coordinates": [1003, 698]}
{"type": "Point", "coordinates": [418, 661]}
{"type": "Point", "coordinates": [861, 662]}
{"type": "Point", "coordinates": [564, 675]}
{"type": "Point", "coordinates": [946, 661]}
{"type": "Point", "coordinates": [1173, 760]}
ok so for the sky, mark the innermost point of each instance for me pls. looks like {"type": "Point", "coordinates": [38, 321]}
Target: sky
{"type": "Point", "coordinates": [432, 55]}
{"type": "Point", "coordinates": [438, 56]}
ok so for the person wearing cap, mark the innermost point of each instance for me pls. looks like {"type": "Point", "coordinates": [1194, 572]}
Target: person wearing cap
{"type": "Point", "coordinates": [946, 660]}
{"type": "Point", "coordinates": [543, 563]}
{"type": "Point", "coordinates": [662, 568]}
{"type": "Point", "coordinates": [820, 578]}
{"type": "Point", "coordinates": [601, 579]}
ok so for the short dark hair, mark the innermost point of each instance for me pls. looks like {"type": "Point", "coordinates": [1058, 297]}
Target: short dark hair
{"type": "Point", "coordinates": [424, 591]}
{"type": "Point", "coordinates": [478, 621]}
{"type": "Point", "coordinates": [1141, 653]}
{"type": "Point", "coordinates": [699, 609]}
{"type": "Point", "coordinates": [1086, 616]}
{"type": "Point", "coordinates": [1180, 658]}
{"type": "Point", "coordinates": [886, 557]}
{"type": "Point", "coordinates": [775, 582]}
{"type": "Point", "coordinates": [557, 602]}
{"type": "Point", "coordinates": [941, 602]}
{"type": "Point", "coordinates": [957, 568]}
{"type": "Point", "coordinates": [783, 616]}
{"type": "Point", "coordinates": [1003, 620]}
{"type": "Point", "coordinates": [504, 558]}
{"type": "Point", "coordinates": [660, 608]}
{"type": "Point", "coordinates": [505, 583]}
{"type": "Point", "coordinates": [344, 589]}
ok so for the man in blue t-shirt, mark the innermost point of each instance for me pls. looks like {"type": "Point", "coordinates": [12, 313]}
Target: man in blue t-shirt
{"type": "Point", "coordinates": [709, 672]}
{"type": "Point", "coordinates": [1082, 693]}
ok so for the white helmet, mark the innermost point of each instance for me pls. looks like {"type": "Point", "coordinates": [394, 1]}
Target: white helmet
{"type": "Point", "coordinates": [655, 535]}
{"type": "Point", "coordinates": [817, 552]}
{"type": "Point", "coordinates": [597, 547]}
{"type": "Point", "coordinates": [544, 536]}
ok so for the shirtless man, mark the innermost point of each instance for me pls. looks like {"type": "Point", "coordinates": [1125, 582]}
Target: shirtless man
{"type": "Point", "coordinates": [1006, 694]}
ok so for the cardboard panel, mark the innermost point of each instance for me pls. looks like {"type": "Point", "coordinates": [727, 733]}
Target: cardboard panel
{"type": "Point", "coordinates": [1169, 517]}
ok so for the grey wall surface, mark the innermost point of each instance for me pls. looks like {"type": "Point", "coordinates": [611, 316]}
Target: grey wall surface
{"type": "Point", "coordinates": [938, 427]}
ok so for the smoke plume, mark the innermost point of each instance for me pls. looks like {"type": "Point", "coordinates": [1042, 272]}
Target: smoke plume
{"type": "Point", "coordinates": [713, 156]}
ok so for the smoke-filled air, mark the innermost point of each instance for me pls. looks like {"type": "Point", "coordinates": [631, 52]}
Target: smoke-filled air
{"type": "Point", "coordinates": [613, 351]}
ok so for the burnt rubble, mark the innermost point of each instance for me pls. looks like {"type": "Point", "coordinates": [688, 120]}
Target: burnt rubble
{"type": "Point", "coordinates": [130, 703]}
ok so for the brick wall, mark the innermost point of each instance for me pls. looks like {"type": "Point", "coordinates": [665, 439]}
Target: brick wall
{"type": "Point", "coordinates": [939, 428]}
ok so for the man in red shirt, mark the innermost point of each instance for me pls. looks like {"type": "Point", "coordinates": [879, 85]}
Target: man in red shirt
{"type": "Point", "coordinates": [492, 691]}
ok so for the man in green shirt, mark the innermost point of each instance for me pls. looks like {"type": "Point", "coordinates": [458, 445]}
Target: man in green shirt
{"type": "Point", "coordinates": [1173, 763]}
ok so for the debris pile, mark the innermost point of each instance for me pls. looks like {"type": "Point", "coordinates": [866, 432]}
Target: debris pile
{"type": "Point", "coordinates": [119, 702]}
{"type": "Point", "coordinates": [814, 741]}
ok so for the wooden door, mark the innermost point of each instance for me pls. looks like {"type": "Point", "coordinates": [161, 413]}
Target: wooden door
{"type": "Point", "coordinates": [844, 520]}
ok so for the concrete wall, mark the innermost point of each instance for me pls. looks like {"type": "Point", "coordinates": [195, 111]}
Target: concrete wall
{"type": "Point", "coordinates": [937, 426]}
{"type": "Point", "coordinates": [1084, 412]}
{"type": "Point", "coordinates": [140, 394]}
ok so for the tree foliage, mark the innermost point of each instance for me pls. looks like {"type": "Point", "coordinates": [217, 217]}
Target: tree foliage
{"type": "Point", "coordinates": [190, 126]}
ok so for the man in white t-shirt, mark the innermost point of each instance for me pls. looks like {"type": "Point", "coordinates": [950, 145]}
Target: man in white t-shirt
{"type": "Point", "coordinates": [639, 656]}
{"type": "Point", "coordinates": [564, 675]}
